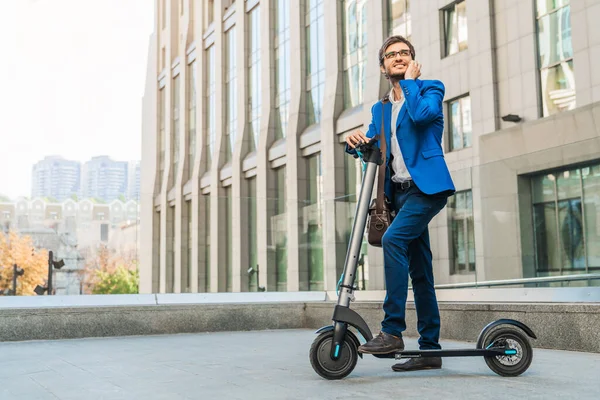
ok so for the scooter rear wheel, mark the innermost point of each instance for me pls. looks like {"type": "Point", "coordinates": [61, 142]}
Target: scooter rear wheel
{"type": "Point", "coordinates": [324, 365]}
{"type": "Point", "coordinates": [514, 339]}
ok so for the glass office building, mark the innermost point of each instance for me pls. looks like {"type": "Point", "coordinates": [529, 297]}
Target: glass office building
{"type": "Point", "coordinates": [245, 183]}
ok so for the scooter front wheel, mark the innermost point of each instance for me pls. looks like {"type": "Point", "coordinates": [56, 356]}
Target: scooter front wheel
{"type": "Point", "coordinates": [324, 365]}
{"type": "Point", "coordinates": [516, 342]}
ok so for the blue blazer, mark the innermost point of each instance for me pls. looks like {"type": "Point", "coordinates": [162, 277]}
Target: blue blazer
{"type": "Point", "coordinates": [419, 131]}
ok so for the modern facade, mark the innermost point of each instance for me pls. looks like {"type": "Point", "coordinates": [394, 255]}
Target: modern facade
{"type": "Point", "coordinates": [55, 178]}
{"type": "Point", "coordinates": [248, 103]}
{"type": "Point", "coordinates": [105, 179]}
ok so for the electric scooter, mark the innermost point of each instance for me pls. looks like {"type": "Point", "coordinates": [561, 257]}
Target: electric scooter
{"type": "Point", "coordinates": [503, 343]}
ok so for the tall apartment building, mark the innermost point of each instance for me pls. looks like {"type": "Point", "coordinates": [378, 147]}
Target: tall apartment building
{"type": "Point", "coordinates": [133, 180]}
{"type": "Point", "coordinates": [247, 105]}
{"type": "Point", "coordinates": [55, 177]}
{"type": "Point", "coordinates": [105, 179]}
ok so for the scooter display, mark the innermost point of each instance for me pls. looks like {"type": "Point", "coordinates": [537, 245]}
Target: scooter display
{"type": "Point", "coordinates": [503, 343]}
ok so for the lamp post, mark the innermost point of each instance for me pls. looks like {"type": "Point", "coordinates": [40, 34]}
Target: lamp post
{"type": "Point", "coordinates": [16, 273]}
{"type": "Point", "coordinates": [50, 262]}
{"type": "Point", "coordinates": [58, 264]}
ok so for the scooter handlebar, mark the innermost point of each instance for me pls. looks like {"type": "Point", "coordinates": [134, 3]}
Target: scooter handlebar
{"type": "Point", "coordinates": [364, 147]}
{"type": "Point", "coordinates": [369, 152]}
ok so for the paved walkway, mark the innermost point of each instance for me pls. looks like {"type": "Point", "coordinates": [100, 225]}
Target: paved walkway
{"type": "Point", "coordinates": [265, 365]}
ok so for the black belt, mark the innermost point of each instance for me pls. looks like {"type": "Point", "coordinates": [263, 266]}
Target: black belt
{"type": "Point", "coordinates": [403, 185]}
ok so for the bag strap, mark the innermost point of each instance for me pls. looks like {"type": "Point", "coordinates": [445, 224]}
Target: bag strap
{"type": "Point", "coordinates": [382, 167]}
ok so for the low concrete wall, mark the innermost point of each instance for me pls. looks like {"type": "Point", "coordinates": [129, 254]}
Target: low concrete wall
{"type": "Point", "coordinates": [101, 321]}
{"type": "Point", "coordinates": [557, 325]}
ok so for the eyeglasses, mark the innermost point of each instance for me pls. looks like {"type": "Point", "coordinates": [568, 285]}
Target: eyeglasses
{"type": "Point", "coordinates": [392, 54]}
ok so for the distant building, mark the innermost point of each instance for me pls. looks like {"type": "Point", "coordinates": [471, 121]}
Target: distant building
{"type": "Point", "coordinates": [74, 231]}
{"type": "Point", "coordinates": [133, 181]}
{"type": "Point", "coordinates": [104, 179]}
{"type": "Point", "coordinates": [55, 178]}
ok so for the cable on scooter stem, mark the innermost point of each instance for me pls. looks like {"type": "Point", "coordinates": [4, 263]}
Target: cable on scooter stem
{"type": "Point", "coordinates": [362, 161]}
{"type": "Point", "coordinates": [337, 289]}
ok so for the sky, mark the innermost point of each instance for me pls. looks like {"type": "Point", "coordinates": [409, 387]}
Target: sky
{"type": "Point", "coordinates": [73, 75]}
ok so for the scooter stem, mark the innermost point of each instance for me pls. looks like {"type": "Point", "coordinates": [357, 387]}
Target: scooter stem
{"type": "Point", "coordinates": [372, 156]}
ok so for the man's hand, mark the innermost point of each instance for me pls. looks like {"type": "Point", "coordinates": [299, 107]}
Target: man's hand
{"type": "Point", "coordinates": [355, 138]}
{"type": "Point", "coordinates": [413, 71]}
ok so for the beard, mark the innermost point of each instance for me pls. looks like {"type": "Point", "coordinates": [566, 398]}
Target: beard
{"type": "Point", "coordinates": [394, 75]}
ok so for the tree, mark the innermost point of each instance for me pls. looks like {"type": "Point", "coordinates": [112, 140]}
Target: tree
{"type": "Point", "coordinates": [16, 249]}
{"type": "Point", "coordinates": [111, 272]}
{"type": "Point", "coordinates": [120, 281]}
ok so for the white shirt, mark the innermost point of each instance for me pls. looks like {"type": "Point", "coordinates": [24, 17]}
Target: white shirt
{"type": "Point", "coordinates": [399, 167]}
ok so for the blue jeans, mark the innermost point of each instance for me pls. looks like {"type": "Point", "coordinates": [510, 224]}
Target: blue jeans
{"type": "Point", "coordinates": [406, 250]}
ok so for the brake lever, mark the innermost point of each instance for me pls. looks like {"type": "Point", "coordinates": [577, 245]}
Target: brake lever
{"type": "Point", "coordinates": [362, 146]}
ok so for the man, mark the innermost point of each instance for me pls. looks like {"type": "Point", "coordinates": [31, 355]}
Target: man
{"type": "Point", "coordinates": [418, 184]}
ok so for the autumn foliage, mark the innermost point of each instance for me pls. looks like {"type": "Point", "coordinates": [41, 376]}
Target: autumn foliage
{"type": "Point", "coordinates": [20, 250]}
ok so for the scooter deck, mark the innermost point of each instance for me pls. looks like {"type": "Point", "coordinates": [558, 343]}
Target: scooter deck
{"type": "Point", "coordinates": [491, 352]}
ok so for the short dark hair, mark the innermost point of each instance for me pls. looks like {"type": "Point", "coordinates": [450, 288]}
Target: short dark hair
{"type": "Point", "coordinates": [395, 39]}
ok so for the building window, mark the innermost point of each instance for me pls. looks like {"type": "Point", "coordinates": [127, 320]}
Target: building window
{"type": "Point", "coordinates": [191, 117]}
{"type": "Point", "coordinates": [162, 135]}
{"type": "Point", "coordinates": [355, 48]}
{"type": "Point", "coordinates": [462, 234]}
{"type": "Point", "coordinates": [104, 232]}
{"type": "Point", "coordinates": [279, 229]}
{"type": "Point", "coordinates": [229, 241]}
{"type": "Point", "coordinates": [454, 22]}
{"type": "Point", "coordinates": [170, 276]}
{"type": "Point", "coordinates": [156, 253]}
{"type": "Point", "coordinates": [459, 122]}
{"type": "Point", "coordinates": [312, 227]}
{"type": "Point", "coordinates": [175, 119]}
{"type": "Point", "coordinates": [252, 234]}
{"type": "Point", "coordinates": [399, 18]}
{"type": "Point", "coordinates": [555, 56]}
{"type": "Point", "coordinates": [186, 274]}
{"type": "Point", "coordinates": [206, 223]}
{"type": "Point", "coordinates": [566, 221]}
{"type": "Point", "coordinates": [230, 91]}
{"type": "Point", "coordinates": [315, 60]}
{"type": "Point", "coordinates": [254, 75]}
{"type": "Point", "coordinates": [209, 13]}
{"type": "Point", "coordinates": [352, 177]}
{"type": "Point", "coordinates": [282, 67]}
{"type": "Point", "coordinates": [211, 130]}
